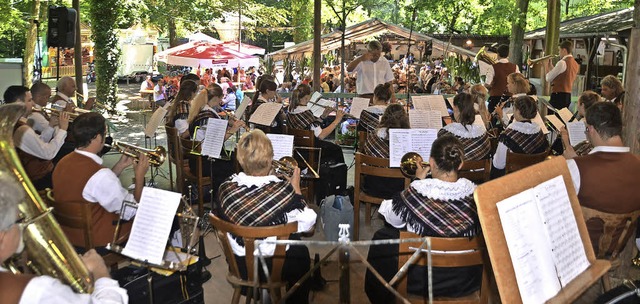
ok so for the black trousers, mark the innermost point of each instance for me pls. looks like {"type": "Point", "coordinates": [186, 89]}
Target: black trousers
{"type": "Point", "coordinates": [560, 100]}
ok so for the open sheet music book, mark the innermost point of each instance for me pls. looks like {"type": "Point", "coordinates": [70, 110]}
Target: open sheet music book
{"type": "Point", "coordinates": [242, 107]}
{"type": "Point", "coordinates": [357, 105]}
{"type": "Point", "coordinates": [421, 119]}
{"type": "Point", "coordinates": [565, 114]}
{"type": "Point", "coordinates": [402, 141]}
{"type": "Point", "coordinates": [319, 106]}
{"type": "Point", "coordinates": [266, 113]}
{"type": "Point", "coordinates": [214, 137]}
{"type": "Point", "coordinates": [576, 129]}
{"type": "Point", "coordinates": [538, 121]}
{"type": "Point", "coordinates": [151, 226]}
{"type": "Point", "coordinates": [282, 145]}
{"type": "Point", "coordinates": [543, 240]}
{"type": "Point", "coordinates": [430, 102]}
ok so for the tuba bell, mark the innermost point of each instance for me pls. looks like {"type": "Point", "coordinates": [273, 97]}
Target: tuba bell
{"type": "Point", "coordinates": [48, 249]}
{"type": "Point", "coordinates": [483, 56]}
{"type": "Point", "coordinates": [409, 164]}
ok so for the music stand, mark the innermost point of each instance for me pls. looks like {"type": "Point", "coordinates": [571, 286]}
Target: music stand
{"type": "Point", "coordinates": [150, 131]}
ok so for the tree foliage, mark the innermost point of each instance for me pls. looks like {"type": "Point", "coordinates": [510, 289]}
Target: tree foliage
{"type": "Point", "coordinates": [104, 17]}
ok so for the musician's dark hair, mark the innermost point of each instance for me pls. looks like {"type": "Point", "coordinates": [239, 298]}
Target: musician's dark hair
{"type": "Point", "coordinates": [39, 88]}
{"type": "Point", "coordinates": [301, 91]}
{"type": "Point", "coordinates": [503, 51]}
{"type": "Point", "coordinates": [448, 153]}
{"type": "Point", "coordinates": [394, 117]}
{"type": "Point", "coordinates": [605, 117]}
{"type": "Point", "coordinates": [567, 45]}
{"type": "Point", "coordinates": [383, 92]}
{"type": "Point", "coordinates": [186, 91]}
{"type": "Point", "coordinates": [14, 93]}
{"type": "Point", "coordinates": [264, 84]}
{"type": "Point", "coordinates": [527, 107]}
{"type": "Point", "coordinates": [86, 127]}
{"type": "Point", "coordinates": [464, 103]}
{"type": "Point", "coordinates": [214, 90]}
{"type": "Point", "coordinates": [588, 98]}
{"type": "Point", "coordinates": [193, 77]}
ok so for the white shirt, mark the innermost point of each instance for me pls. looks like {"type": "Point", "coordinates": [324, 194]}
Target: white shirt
{"type": "Point", "coordinates": [64, 101]}
{"type": "Point", "coordinates": [230, 101]}
{"type": "Point", "coordinates": [573, 167]}
{"type": "Point", "coordinates": [560, 67]}
{"type": "Point", "coordinates": [49, 290]}
{"type": "Point", "coordinates": [158, 93]}
{"type": "Point", "coordinates": [182, 125]}
{"type": "Point", "coordinates": [38, 122]}
{"type": "Point", "coordinates": [41, 146]}
{"type": "Point", "coordinates": [104, 188]}
{"type": "Point", "coordinates": [500, 158]}
{"type": "Point", "coordinates": [371, 74]}
{"type": "Point", "coordinates": [306, 218]}
{"type": "Point", "coordinates": [315, 128]}
{"type": "Point", "coordinates": [491, 73]}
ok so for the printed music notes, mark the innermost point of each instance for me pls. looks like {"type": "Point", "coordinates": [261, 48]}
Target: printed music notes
{"type": "Point", "coordinates": [429, 103]}
{"type": "Point", "coordinates": [420, 119]}
{"type": "Point", "coordinates": [576, 132]}
{"type": "Point", "coordinates": [214, 137]}
{"type": "Point", "coordinates": [282, 145]}
{"type": "Point", "coordinates": [266, 113]}
{"type": "Point", "coordinates": [319, 106]}
{"type": "Point", "coordinates": [543, 240]}
{"type": "Point", "coordinates": [357, 105]}
{"type": "Point", "coordinates": [402, 141]}
{"type": "Point", "coordinates": [152, 225]}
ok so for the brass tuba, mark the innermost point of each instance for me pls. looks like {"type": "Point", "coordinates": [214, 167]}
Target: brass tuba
{"type": "Point", "coordinates": [48, 249]}
{"type": "Point", "coordinates": [483, 56]}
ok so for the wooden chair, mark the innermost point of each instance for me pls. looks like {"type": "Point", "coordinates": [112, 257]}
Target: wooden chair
{"type": "Point", "coordinates": [362, 139]}
{"type": "Point", "coordinates": [470, 252]}
{"type": "Point", "coordinates": [610, 239]}
{"type": "Point", "coordinates": [306, 138]}
{"type": "Point", "coordinates": [371, 166]}
{"type": "Point", "coordinates": [249, 235]}
{"type": "Point", "coordinates": [517, 161]}
{"type": "Point", "coordinates": [172, 147]}
{"type": "Point", "coordinates": [477, 171]}
{"type": "Point", "coordinates": [190, 149]}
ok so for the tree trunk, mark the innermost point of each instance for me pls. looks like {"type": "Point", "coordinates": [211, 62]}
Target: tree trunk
{"type": "Point", "coordinates": [553, 36]}
{"type": "Point", "coordinates": [317, 57]}
{"type": "Point", "coordinates": [32, 38]}
{"type": "Point", "coordinates": [78, 53]}
{"type": "Point", "coordinates": [517, 32]}
{"type": "Point", "coordinates": [631, 121]}
{"type": "Point", "coordinates": [173, 39]}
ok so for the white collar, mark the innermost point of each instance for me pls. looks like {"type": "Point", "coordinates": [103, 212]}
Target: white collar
{"type": "Point", "coordinates": [382, 132]}
{"type": "Point", "coordinates": [457, 129]}
{"type": "Point", "coordinates": [614, 149]}
{"type": "Point", "coordinates": [93, 156]}
{"type": "Point", "coordinates": [503, 60]}
{"type": "Point", "coordinates": [243, 179]}
{"type": "Point", "coordinates": [299, 109]}
{"type": "Point", "coordinates": [565, 57]}
{"type": "Point", "coordinates": [524, 127]}
{"type": "Point", "coordinates": [439, 189]}
{"type": "Point", "coordinates": [377, 109]}
{"type": "Point", "coordinates": [64, 97]}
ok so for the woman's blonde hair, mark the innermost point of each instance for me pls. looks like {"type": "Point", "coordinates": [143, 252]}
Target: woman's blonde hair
{"type": "Point", "coordinates": [255, 153]}
{"type": "Point", "coordinates": [521, 83]}
{"type": "Point", "coordinates": [196, 105]}
{"type": "Point", "coordinates": [480, 94]}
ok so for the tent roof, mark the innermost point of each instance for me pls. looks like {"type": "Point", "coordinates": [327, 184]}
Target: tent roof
{"type": "Point", "coordinates": [361, 31]}
{"type": "Point", "coordinates": [596, 25]}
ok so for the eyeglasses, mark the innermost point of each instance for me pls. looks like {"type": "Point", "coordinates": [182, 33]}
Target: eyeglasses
{"type": "Point", "coordinates": [586, 130]}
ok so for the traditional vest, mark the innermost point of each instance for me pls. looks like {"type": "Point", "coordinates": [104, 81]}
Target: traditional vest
{"type": "Point", "coordinates": [368, 121]}
{"type": "Point", "coordinates": [499, 83]}
{"type": "Point", "coordinates": [608, 181]}
{"type": "Point", "coordinates": [12, 286]}
{"type": "Point", "coordinates": [301, 121]}
{"type": "Point", "coordinates": [69, 179]}
{"type": "Point", "coordinates": [563, 83]}
{"type": "Point", "coordinates": [376, 146]}
{"type": "Point", "coordinates": [35, 167]}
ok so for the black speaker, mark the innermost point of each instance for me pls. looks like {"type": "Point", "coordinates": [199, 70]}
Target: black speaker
{"type": "Point", "coordinates": [62, 27]}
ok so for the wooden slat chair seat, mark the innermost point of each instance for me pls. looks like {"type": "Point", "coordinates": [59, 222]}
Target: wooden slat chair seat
{"type": "Point", "coordinates": [249, 235]}
{"type": "Point", "coordinates": [517, 161]}
{"type": "Point", "coordinates": [477, 171]}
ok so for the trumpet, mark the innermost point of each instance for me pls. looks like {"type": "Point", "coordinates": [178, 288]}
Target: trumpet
{"type": "Point", "coordinates": [285, 166]}
{"type": "Point", "coordinates": [533, 62]}
{"type": "Point", "coordinates": [56, 112]}
{"type": "Point", "coordinates": [409, 164]}
{"type": "Point", "coordinates": [156, 156]}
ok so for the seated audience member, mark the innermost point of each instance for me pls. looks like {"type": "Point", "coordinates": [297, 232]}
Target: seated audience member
{"type": "Point", "coordinates": [474, 138]}
{"type": "Point", "coordinates": [480, 94]}
{"type": "Point", "coordinates": [585, 101]}
{"type": "Point", "coordinates": [41, 122]}
{"type": "Point", "coordinates": [370, 116]}
{"type": "Point", "coordinates": [441, 206]}
{"type": "Point", "coordinates": [179, 110]}
{"type": "Point", "coordinates": [17, 288]}
{"type": "Point", "coordinates": [36, 152]}
{"type": "Point", "coordinates": [606, 178]}
{"type": "Point", "coordinates": [80, 177]}
{"type": "Point", "coordinates": [229, 101]}
{"type": "Point", "coordinates": [245, 197]}
{"type": "Point", "coordinates": [159, 93]}
{"type": "Point", "coordinates": [612, 90]}
{"type": "Point", "coordinates": [521, 136]}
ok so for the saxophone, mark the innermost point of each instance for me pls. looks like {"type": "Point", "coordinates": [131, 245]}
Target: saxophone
{"type": "Point", "coordinates": [48, 249]}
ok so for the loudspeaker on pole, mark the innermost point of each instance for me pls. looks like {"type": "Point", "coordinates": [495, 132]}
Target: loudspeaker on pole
{"type": "Point", "coordinates": [62, 27]}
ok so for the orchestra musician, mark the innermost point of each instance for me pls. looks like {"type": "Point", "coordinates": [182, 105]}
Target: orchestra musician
{"type": "Point", "coordinates": [585, 101]}
{"type": "Point", "coordinates": [80, 177]}
{"type": "Point", "coordinates": [518, 86]}
{"type": "Point", "coordinates": [38, 120]}
{"type": "Point", "coordinates": [474, 138]}
{"type": "Point", "coordinates": [267, 93]}
{"type": "Point", "coordinates": [521, 136]}
{"type": "Point", "coordinates": [497, 77]}
{"type": "Point", "coordinates": [441, 206]}
{"type": "Point", "coordinates": [561, 76]}
{"type": "Point", "coordinates": [256, 197]}
{"type": "Point", "coordinates": [479, 94]}
{"type": "Point", "coordinates": [36, 152]}
{"type": "Point", "coordinates": [370, 116]}
{"type": "Point", "coordinates": [18, 288]}
{"type": "Point", "coordinates": [65, 89]}
{"type": "Point", "coordinates": [179, 110]}
{"type": "Point", "coordinates": [612, 90]}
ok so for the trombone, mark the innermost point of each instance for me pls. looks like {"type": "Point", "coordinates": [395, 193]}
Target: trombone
{"type": "Point", "coordinates": [156, 156]}
{"type": "Point", "coordinates": [409, 164]}
{"type": "Point", "coordinates": [532, 62]}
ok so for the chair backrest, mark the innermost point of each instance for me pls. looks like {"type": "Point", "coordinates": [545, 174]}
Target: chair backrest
{"type": "Point", "coordinates": [304, 138]}
{"type": "Point", "coordinates": [616, 230]}
{"type": "Point", "coordinates": [249, 235]}
{"type": "Point", "coordinates": [76, 215]}
{"type": "Point", "coordinates": [189, 150]}
{"type": "Point", "coordinates": [446, 252]}
{"type": "Point", "coordinates": [517, 161]}
{"type": "Point", "coordinates": [375, 166]}
{"type": "Point", "coordinates": [175, 154]}
{"type": "Point", "coordinates": [477, 171]}
{"type": "Point", "coordinates": [362, 139]}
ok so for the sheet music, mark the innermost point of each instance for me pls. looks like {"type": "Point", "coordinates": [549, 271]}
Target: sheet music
{"type": "Point", "coordinates": [561, 228]}
{"type": "Point", "coordinates": [576, 132]}
{"type": "Point", "coordinates": [357, 105]}
{"type": "Point", "coordinates": [528, 248]}
{"type": "Point", "coordinates": [538, 120]}
{"type": "Point", "coordinates": [315, 97]}
{"type": "Point", "coordinates": [214, 137]}
{"type": "Point", "coordinates": [555, 121]}
{"type": "Point", "coordinates": [155, 121]}
{"type": "Point", "coordinates": [430, 102]}
{"type": "Point", "coordinates": [479, 122]}
{"type": "Point", "coordinates": [420, 119]}
{"type": "Point", "coordinates": [152, 225]}
{"type": "Point", "coordinates": [402, 141]}
{"type": "Point", "coordinates": [266, 113]}
{"type": "Point", "coordinates": [242, 107]}
{"type": "Point", "coordinates": [565, 114]}
{"type": "Point", "coordinates": [319, 106]}
{"type": "Point", "coordinates": [282, 145]}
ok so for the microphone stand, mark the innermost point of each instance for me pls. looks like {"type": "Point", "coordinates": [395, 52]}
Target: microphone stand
{"type": "Point", "coordinates": [413, 18]}
{"type": "Point", "coordinates": [38, 60]}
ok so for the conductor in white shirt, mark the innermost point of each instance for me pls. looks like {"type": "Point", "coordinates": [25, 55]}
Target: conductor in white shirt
{"type": "Point", "coordinates": [371, 69]}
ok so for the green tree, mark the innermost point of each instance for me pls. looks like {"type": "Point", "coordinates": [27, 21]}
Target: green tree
{"type": "Point", "coordinates": [301, 19]}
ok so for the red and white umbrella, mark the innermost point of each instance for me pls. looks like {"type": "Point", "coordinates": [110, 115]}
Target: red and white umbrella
{"type": "Point", "coordinates": [208, 55]}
